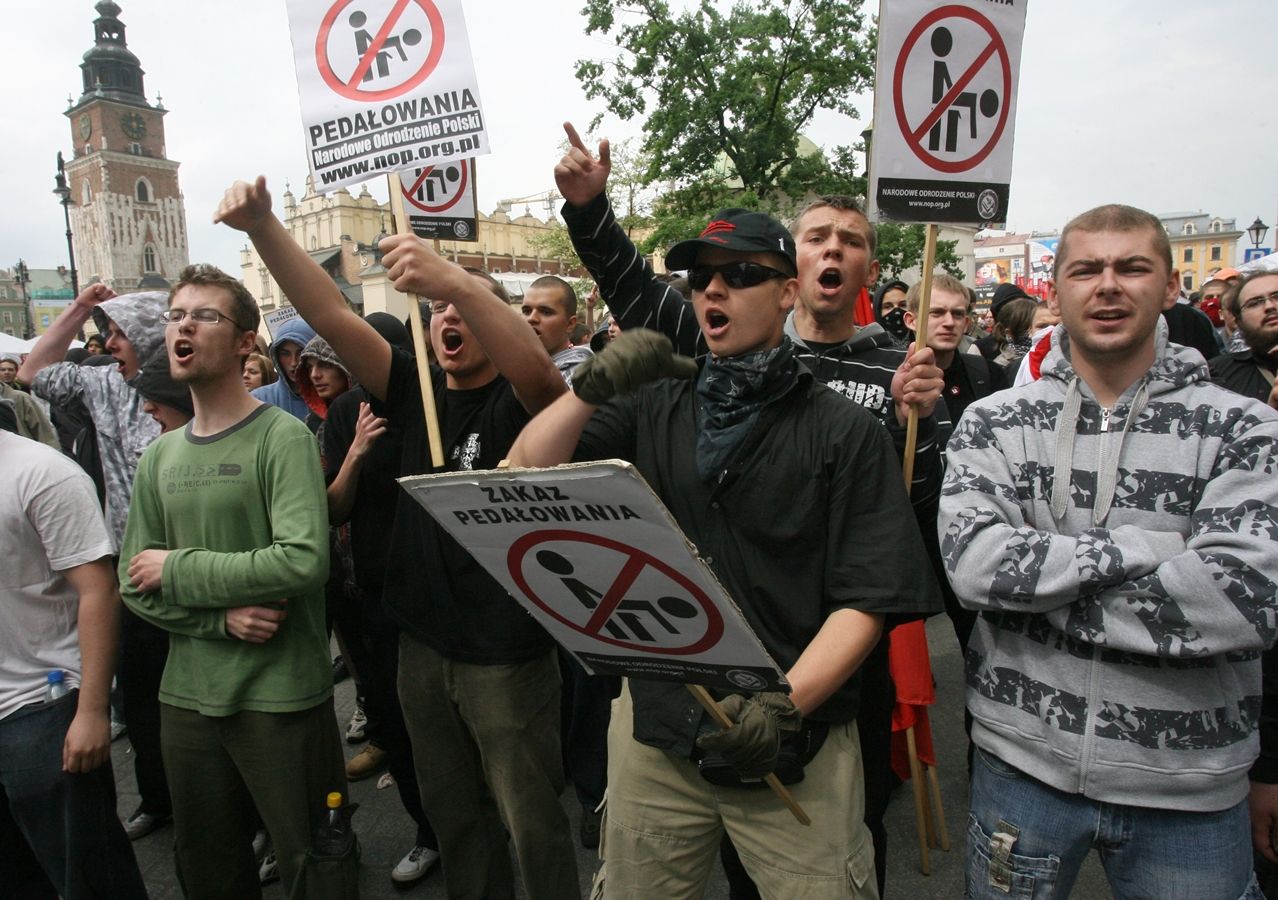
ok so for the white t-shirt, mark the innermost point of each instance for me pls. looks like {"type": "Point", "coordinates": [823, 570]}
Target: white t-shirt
{"type": "Point", "coordinates": [49, 522]}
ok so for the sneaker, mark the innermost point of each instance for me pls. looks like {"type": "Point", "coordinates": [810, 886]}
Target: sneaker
{"type": "Point", "coordinates": [339, 669]}
{"type": "Point", "coordinates": [366, 763]}
{"type": "Point", "coordinates": [140, 824]}
{"type": "Point", "coordinates": [359, 721]}
{"type": "Point", "coordinates": [260, 843]}
{"type": "Point", "coordinates": [117, 730]}
{"type": "Point", "coordinates": [415, 865]}
{"type": "Point", "coordinates": [269, 870]}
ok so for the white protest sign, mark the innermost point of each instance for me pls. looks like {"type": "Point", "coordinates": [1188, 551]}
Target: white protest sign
{"type": "Point", "coordinates": [277, 317]}
{"type": "Point", "coordinates": [384, 85]}
{"type": "Point", "coordinates": [945, 110]}
{"type": "Point", "coordinates": [439, 201]}
{"type": "Point", "coordinates": [596, 558]}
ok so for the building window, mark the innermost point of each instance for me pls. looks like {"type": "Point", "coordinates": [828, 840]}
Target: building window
{"type": "Point", "coordinates": [148, 259]}
{"type": "Point", "coordinates": [1189, 282]}
{"type": "Point", "coordinates": [1188, 229]}
{"type": "Point", "coordinates": [1215, 254]}
{"type": "Point", "coordinates": [142, 191]}
{"type": "Point", "coordinates": [265, 278]}
{"type": "Point", "coordinates": [1189, 254]}
{"type": "Point", "coordinates": [135, 148]}
{"type": "Point", "coordinates": [8, 317]}
{"type": "Point", "coordinates": [1215, 226]}
{"type": "Point", "coordinates": [86, 193]}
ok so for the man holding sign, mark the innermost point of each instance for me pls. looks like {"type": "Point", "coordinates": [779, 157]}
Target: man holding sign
{"type": "Point", "coordinates": [776, 479]}
{"type": "Point", "coordinates": [478, 678]}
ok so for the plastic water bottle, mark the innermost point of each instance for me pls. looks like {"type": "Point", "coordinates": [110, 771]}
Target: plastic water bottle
{"type": "Point", "coordinates": [56, 685]}
{"type": "Point", "coordinates": [332, 836]}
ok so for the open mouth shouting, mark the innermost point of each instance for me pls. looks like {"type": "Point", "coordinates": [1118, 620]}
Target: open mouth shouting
{"type": "Point", "coordinates": [452, 341]}
{"type": "Point", "coordinates": [716, 323]}
{"type": "Point", "coordinates": [830, 280]}
{"type": "Point", "coordinates": [183, 350]}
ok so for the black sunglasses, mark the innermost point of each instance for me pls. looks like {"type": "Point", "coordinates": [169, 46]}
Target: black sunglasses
{"type": "Point", "coordinates": [735, 275]}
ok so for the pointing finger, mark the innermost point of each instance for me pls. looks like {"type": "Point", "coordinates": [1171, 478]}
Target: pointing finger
{"type": "Point", "coordinates": [575, 139]}
{"type": "Point", "coordinates": [605, 153]}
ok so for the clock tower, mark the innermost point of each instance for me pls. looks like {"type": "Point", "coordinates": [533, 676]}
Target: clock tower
{"type": "Point", "coordinates": [128, 218]}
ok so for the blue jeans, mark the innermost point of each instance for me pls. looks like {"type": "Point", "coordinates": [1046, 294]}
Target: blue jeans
{"type": "Point", "coordinates": [1028, 840]}
{"type": "Point", "coordinates": [69, 821]}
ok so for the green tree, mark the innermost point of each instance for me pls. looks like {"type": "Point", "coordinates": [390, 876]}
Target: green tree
{"type": "Point", "coordinates": [900, 248]}
{"type": "Point", "coordinates": [739, 85]}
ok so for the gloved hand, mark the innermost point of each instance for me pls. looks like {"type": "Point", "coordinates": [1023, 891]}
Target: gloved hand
{"type": "Point", "coordinates": [753, 743]}
{"type": "Point", "coordinates": [635, 358]}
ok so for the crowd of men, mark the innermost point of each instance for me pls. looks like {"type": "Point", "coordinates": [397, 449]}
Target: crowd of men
{"type": "Point", "coordinates": [1093, 504]}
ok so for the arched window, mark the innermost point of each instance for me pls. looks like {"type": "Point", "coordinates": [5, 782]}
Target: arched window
{"type": "Point", "coordinates": [142, 191]}
{"type": "Point", "coordinates": [86, 193]}
{"type": "Point", "coordinates": [1188, 229]}
{"type": "Point", "coordinates": [148, 258]}
{"type": "Point", "coordinates": [1215, 226]}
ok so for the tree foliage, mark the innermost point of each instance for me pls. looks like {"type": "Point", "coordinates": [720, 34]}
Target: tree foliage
{"type": "Point", "coordinates": [900, 248]}
{"type": "Point", "coordinates": [740, 84]}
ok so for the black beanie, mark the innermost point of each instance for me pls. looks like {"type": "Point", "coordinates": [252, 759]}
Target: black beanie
{"type": "Point", "coordinates": [155, 383]}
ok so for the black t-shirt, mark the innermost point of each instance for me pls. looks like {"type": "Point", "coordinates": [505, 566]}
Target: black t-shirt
{"type": "Point", "coordinates": [434, 589]}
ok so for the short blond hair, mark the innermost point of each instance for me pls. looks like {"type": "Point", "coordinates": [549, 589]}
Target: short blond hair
{"type": "Point", "coordinates": [941, 281]}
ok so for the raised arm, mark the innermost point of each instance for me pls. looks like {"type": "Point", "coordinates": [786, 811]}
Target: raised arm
{"type": "Point", "coordinates": [53, 344]}
{"type": "Point", "coordinates": [513, 347]}
{"type": "Point", "coordinates": [247, 207]}
{"type": "Point", "coordinates": [635, 296]}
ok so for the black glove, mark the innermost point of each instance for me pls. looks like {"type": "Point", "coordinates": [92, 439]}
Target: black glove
{"type": "Point", "coordinates": [635, 358]}
{"type": "Point", "coordinates": [753, 743]}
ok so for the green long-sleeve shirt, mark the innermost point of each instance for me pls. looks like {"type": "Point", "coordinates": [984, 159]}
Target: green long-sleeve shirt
{"type": "Point", "coordinates": [245, 515]}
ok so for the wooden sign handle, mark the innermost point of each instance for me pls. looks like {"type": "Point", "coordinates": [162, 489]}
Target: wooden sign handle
{"type": "Point", "coordinates": [400, 223]}
{"type": "Point", "coordinates": [920, 341]}
{"type": "Point", "coordinates": [712, 706]}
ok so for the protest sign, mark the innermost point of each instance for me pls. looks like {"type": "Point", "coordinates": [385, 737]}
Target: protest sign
{"type": "Point", "coordinates": [439, 201]}
{"type": "Point", "coordinates": [277, 317]}
{"type": "Point", "coordinates": [945, 110]}
{"type": "Point", "coordinates": [384, 85]}
{"type": "Point", "coordinates": [590, 551]}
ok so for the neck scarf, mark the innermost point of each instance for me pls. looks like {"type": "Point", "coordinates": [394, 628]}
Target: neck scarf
{"type": "Point", "coordinates": [733, 392]}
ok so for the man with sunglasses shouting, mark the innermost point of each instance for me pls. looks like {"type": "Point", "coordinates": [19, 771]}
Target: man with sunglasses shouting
{"type": "Point", "coordinates": [777, 480]}
{"type": "Point", "coordinates": [227, 550]}
{"type": "Point", "coordinates": [834, 256]}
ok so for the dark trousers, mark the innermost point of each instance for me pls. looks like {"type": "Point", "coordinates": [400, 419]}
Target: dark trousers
{"type": "Point", "coordinates": [223, 768]}
{"type": "Point", "coordinates": [68, 822]}
{"type": "Point", "coordinates": [584, 711]}
{"type": "Point", "coordinates": [144, 650]}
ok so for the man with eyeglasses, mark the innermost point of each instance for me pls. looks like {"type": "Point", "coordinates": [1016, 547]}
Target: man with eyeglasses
{"type": "Point", "coordinates": [777, 480]}
{"type": "Point", "coordinates": [227, 550]}
{"type": "Point", "coordinates": [134, 332]}
{"type": "Point", "coordinates": [478, 678]}
{"type": "Point", "coordinates": [1254, 305]}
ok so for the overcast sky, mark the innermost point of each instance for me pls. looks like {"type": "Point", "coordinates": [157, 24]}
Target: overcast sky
{"type": "Point", "coordinates": [1164, 104]}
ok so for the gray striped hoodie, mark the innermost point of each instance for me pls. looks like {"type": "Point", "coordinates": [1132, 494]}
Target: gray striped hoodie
{"type": "Point", "coordinates": [1124, 607]}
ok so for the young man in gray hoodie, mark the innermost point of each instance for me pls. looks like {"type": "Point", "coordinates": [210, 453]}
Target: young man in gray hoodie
{"type": "Point", "coordinates": [1114, 525]}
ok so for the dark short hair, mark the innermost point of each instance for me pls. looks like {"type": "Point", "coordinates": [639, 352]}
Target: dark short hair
{"type": "Point", "coordinates": [1232, 297]}
{"type": "Point", "coordinates": [244, 311]}
{"type": "Point", "coordinates": [567, 296]}
{"type": "Point", "coordinates": [843, 202]}
{"type": "Point", "coordinates": [493, 284]}
{"type": "Point", "coordinates": [1115, 217]}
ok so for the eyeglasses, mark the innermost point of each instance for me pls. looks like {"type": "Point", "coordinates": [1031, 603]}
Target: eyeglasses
{"type": "Point", "coordinates": [439, 307]}
{"type": "Point", "coordinates": [201, 316]}
{"type": "Point", "coordinates": [735, 275]}
{"type": "Point", "coordinates": [1262, 300]}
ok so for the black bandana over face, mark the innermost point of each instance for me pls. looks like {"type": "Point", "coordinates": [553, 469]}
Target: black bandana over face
{"type": "Point", "coordinates": [733, 392]}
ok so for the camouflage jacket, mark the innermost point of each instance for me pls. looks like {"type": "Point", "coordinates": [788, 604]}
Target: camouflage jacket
{"type": "Point", "coordinates": [1124, 565]}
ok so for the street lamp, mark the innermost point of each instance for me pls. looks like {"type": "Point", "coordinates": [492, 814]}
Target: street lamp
{"type": "Point", "coordinates": [1257, 232]}
{"type": "Point", "coordinates": [21, 278]}
{"type": "Point", "coordinates": [64, 197]}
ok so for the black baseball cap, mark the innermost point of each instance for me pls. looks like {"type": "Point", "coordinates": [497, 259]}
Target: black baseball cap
{"type": "Point", "coordinates": [742, 230]}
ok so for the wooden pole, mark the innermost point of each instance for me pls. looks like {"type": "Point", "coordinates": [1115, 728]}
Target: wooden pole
{"type": "Point", "coordinates": [400, 223]}
{"type": "Point", "coordinates": [721, 718]}
{"type": "Point", "coordinates": [920, 341]}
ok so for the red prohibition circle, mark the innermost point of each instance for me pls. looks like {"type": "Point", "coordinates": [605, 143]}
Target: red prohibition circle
{"type": "Point", "coordinates": [353, 93]}
{"type": "Point", "coordinates": [461, 189]}
{"type": "Point", "coordinates": [946, 12]}
{"type": "Point", "coordinates": [519, 549]}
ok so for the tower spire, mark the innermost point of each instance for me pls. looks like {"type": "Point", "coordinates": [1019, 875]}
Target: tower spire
{"type": "Point", "coordinates": [109, 68]}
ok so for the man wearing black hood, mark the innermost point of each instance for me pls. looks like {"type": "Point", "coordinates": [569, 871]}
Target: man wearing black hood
{"type": "Point", "coordinates": [889, 309]}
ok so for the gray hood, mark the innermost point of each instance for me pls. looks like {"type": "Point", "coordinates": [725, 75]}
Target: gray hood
{"type": "Point", "coordinates": [139, 317]}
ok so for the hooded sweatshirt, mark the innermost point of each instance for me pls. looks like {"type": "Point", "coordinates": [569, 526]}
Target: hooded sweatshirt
{"type": "Point", "coordinates": [280, 392]}
{"type": "Point", "coordinates": [318, 350]}
{"type": "Point", "coordinates": [124, 430]}
{"type": "Point", "coordinates": [1123, 562]}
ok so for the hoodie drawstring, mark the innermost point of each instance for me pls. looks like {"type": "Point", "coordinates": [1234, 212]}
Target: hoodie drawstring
{"type": "Point", "coordinates": [1107, 470]}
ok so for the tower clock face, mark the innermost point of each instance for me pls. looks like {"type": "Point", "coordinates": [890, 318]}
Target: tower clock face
{"type": "Point", "coordinates": [134, 126]}
{"type": "Point", "coordinates": [86, 127]}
